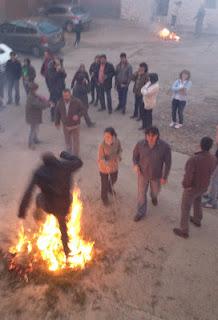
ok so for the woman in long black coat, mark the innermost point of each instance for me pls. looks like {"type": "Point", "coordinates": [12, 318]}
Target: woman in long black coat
{"type": "Point", "coordinates": [80, 86]}
{"type": "Point", "coordinates": [57, 76]}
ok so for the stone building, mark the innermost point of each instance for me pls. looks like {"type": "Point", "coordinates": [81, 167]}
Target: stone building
{"type": "Point", "coordinates": [13, 9]}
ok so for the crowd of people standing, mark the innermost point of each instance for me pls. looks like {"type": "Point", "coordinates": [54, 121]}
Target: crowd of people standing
{"type": "Point", "coordinates": [151, 156]}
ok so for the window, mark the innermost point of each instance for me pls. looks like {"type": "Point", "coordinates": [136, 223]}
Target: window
{"type": "Point", "coordinates": [7, 28]}
{"type": "Point", "coordinates": [78, 10]}
{"type": "Point", "coordinates": [56, 10]}
{"type": "Point", "coordinates": [22, 30]}
{"type": "Point", "coordinates": [46, 27]}
{"type": "Point", "coordinates": [211, 4]}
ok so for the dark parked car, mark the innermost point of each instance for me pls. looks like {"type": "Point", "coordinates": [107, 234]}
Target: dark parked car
{"type": "Point", "coordinates": [32, 35]}
{"type": "Point", "coordinates": [66, 16]}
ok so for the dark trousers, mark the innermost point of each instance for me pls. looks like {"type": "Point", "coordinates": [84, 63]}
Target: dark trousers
{"type": "Point", "coordinates": [147, 118]}
{"type": "Point", "coordinates": [122, 96]}
{"type": "Point", "coordinates": [178, 107]}
{"type": "Point", "coordinates": [42, 205]}
{"type": "Point", "coordinates": [2, 80]}
{"type": "Point", "coordinates": [107, 182]}
{"type": "Point", "coordinates": [94, 90]}
{"type": "Point", "coordinates": [14, 84]}
{"type": "Point", "coordinates": [78, 38]}
{"type": "Point", "coordinates": [137, 106]}
{"type": "Point", "coordinates": [102, 93]}
{"type": "Point", "coordinates": [2, 83]}
{"type": "Point", "coordinates": [87, 118]}
{"type": "Point", "coordinates": [143, 185]}
{"type": "Point", "coordinates": [191, 198]}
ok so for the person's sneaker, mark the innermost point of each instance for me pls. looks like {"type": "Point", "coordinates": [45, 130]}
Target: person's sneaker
{"type": "Point", "coordinates": [209, 205]}
{"type": "Point", "coordinates": [172, 124]}
{"type": "Point", "coordinates": [110, 111]}
{"type": "Point", "coordinates": [138, 119]}
{"type": "Point", "coordinates": [197, 224]}
{"type": "Point", "coordinates": [180, 233]}
{"type": "Point", "coordinates": [154, 201]}
{"type": "Point", "coordinates": [138, 217]}
{"type": "Point", "coordinates": [91, 102]}
{"type": "Point", "coordinates": [178, 126]}
{"type": "Point", "coordinates": [37, 141]}
{"type": "Point", "coordinates": [132, 117]}
{"type": "Point", "coordinates": [100, 110]}
{"type": "Point", "coordinates": [96, 104]}
{"type": "Point", "coordinates": [117, 108]}
{"type": "Point", "coordinates": [124, 112]}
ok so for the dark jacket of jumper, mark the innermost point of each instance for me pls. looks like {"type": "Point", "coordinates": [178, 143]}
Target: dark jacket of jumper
{"type": "Point", "coordinates": [198, 171]}
{"type": "Point", "coordinates": [13, 70]}
{"type": "Point", "coordinates": [53, 178]}
{"type": "Point", "coordinates": [109, 73]}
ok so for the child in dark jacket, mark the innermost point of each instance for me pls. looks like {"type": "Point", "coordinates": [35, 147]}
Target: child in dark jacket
{"type": "Point", "coordinates": [109, 156]}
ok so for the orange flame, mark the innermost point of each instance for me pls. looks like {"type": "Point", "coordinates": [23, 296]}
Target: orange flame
{"type": "Point", "coordinates": [46, 244]}
{"type": "Point", "coordinates": [165, 34]}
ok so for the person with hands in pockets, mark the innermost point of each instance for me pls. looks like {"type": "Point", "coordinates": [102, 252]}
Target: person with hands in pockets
{"type": "Point", "coordinates": [109, 156]}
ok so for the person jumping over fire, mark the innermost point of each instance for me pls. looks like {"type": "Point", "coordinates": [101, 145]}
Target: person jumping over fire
{"type": "Point", "coordinates": [53, 178]}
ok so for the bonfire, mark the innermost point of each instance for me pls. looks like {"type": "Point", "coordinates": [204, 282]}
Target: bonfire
{"type": "Point", "coordinates": [166, 34]}
{"type": "Point", "coordinates": [43, 248]}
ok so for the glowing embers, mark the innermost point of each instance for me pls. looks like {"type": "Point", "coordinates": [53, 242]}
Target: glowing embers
{"type": "Point", "coordinates": [166, 34]}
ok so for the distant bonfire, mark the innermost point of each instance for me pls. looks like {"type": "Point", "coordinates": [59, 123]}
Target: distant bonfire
{"type": "Point", "coordinates": [166, 34]}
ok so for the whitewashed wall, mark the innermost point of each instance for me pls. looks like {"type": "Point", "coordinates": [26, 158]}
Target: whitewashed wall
{"type": "Point", "coordinates": [140, 11]}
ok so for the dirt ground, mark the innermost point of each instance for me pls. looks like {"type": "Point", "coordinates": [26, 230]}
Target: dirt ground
{"type": "Point", "coordinates": [144, 272]}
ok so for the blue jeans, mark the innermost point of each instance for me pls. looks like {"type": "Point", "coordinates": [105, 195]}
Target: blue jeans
{"type": "Point", "coordinates": [213, 188]}
{"type": "Point", "coordinates": [102, 93]}
{"type": "Point", "coordinates": [122, 96]}
{"type": "Point", "coordinates": [137, 106]}
{"type": "Point", "coordinates": [14, 84]}
{"type": "Point", "coordinates": [178, 106]}
{"type": "Point", "coordinates": [143, 184]}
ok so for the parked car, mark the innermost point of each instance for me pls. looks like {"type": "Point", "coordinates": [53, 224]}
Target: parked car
{"type": "Point", "coordinates": [32, 35]}
{"type": "Point", "coordinates": [4, 56]}
{"type": "Point", "coordinates": [66, 16]}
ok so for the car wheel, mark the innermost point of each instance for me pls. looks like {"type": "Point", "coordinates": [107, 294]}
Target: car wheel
{"type": "Point", "coordinates": [69, 27]}
{"type": "Point", "coordinates": [36, 52]}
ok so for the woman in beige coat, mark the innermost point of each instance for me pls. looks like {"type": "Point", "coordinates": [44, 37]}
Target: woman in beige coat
{"type": "Point", "coordinates": [149, 92]}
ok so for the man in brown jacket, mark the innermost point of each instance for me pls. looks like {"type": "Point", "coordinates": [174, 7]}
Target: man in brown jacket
{"type": "Point", "coordinates": [152, 162]}
{"type": "Point", "coordinates": [69, 111]}
{"type": "Point", "coordinates": [198, 171]}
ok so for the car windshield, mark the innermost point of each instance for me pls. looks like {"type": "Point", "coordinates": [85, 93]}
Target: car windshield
{"type": "Point", "coordinates": [78, 10]}
{"type": "Point", "coordinates": [46, 27]}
